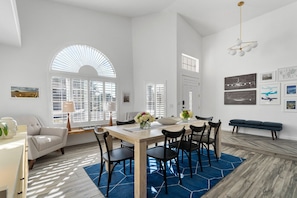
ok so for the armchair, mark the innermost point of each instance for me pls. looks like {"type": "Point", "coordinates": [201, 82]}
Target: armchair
{"type": "Point", "coordinates": [42, 140]}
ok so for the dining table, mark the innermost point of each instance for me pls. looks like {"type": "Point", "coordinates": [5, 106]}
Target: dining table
{"type": "Point", "coordinates": [142, 138]}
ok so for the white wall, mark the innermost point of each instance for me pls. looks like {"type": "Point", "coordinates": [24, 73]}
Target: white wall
{"type": "Point", "coordinates": [48, 27]}
{"type": "Point", "coordinates": [154, 56]}
{"type": "Point", "coordinates": [276, 34]}
{"type": "Point", "coordinates": [188, 42]}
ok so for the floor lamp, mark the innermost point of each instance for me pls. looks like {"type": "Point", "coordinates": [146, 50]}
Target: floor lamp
{"type": "Point", "coordinates": [110, 106]}
{"type": "Point", "coordinates": [68, 106]}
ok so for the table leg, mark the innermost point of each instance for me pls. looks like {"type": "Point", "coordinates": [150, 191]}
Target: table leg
{"type": "Point", "coordinates": [140, 163]}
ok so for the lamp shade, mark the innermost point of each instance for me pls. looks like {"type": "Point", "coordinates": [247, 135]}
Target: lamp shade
{"type": "Point", "coordinates": [110, 106]}
{"type": "Point", "coordinates": [68, 106]}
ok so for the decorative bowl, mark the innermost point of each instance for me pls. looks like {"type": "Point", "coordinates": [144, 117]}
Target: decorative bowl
{"type": "Point", "coordinates": [168, 120]}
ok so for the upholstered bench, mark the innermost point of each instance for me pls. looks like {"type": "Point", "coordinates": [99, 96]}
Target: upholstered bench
{"type": "Point", "coordinates": [271, 126]}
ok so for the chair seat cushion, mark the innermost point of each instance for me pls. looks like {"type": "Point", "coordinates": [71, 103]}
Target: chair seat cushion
{"type": "Point", "coordinates": [158, 153]}
{"type": "Point", "coordinates": [43, 142]}
{"type": "Point", "coordinates": [119, 154]}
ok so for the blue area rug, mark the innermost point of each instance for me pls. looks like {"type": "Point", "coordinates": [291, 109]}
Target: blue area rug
{"type": "Point", "coordinates": [122, 186]}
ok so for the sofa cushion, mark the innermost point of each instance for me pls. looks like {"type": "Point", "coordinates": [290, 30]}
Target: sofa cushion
{"type": "Point", "coordinates": [253, 122]}
{"type": "Point", "coordinates": [272, 124]}
{"type": "Point", "coordinates": [43, 142]}
{"type": "Point", "coordinates": [239, 121]}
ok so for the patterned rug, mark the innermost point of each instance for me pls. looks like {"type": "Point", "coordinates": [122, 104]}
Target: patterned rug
{"type": "Point", "coordinates": [122, 186]}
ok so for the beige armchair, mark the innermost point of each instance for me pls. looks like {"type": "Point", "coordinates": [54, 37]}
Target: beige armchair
{"type": "Point", "coordinates": [42, 140]}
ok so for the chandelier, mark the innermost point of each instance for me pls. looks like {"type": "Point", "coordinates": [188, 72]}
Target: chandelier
{"type": "Point", "coordinates": [241, 47]}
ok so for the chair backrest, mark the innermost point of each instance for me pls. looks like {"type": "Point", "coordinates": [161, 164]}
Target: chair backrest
{"type": "Point", "coordinates": [33, 123]}
{"type": "Point", "coordinates": [204, 118]}
{"type": "Point", "coordinates": [197, 131]}
{"type": "Point", "coordinates": [173, 135]}
{"type": "Point", "coordinates": [125, 122]}
{"type": "Point", "coordinates": [101, 136]}
{"type": "Point", "coordinates": [215, 127]}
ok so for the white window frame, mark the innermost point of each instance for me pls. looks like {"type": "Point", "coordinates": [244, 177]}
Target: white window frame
{"type": "Point", "coordinates": [89, 102]}
{"type": "Point", "coordinates": [190, 63]}
{"type": "Point", "coordinates": [156, 100]}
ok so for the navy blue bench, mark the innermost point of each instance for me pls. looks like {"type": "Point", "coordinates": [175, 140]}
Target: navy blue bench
{"type": "Point", "coordinates": [272, 126]}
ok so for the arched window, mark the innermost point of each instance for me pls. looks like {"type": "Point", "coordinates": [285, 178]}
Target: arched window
{"type": "Point", "coordinates": [84, 75]}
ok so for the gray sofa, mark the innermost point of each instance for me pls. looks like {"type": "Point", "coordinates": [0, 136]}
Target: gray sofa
{"type": "Point", "coordinates": [42, 140]}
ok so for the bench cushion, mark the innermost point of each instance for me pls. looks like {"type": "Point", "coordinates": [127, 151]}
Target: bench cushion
{"type": "Point", "coordinates": [239, 121]}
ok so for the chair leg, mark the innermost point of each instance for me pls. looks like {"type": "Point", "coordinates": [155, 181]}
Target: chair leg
{"type": "Point", "coordinates": [190, 163]}
{"type": "Point", "coordinates": [178, 170]}
{"type": "Point", "coordinates": [101, 170]}
{"type": "Point", "coordinates": [208, 155]}
{"type": "Point", "coordinates": [199, 158]}
{"type": "Point", "coordinates": [31, 164]}
{"type": "Point", "coordinates": [215, 151]}
{"type": "Point", "coordinates": [165, 178]}
{"type": "Point", "coordinates": [109, 178]}
{"type": "Point", "coordinates": [62, 151]}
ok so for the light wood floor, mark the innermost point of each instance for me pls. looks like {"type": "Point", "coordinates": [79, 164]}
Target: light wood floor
{"type": "Point", "coordinates": [269, 170]}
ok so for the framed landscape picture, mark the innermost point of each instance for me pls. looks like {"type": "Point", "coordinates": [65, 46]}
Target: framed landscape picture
{"type": "Point", "coordinates": [267, 77]}
{"type": "Point", "coordinates": [290, 89]}
{"type": "Point", "coordinates": [24, 92]}
{"type": "Point", "coordinates": [290, 105]}
{"type": "Point", "coordinates": [240, 82]}
{"type": "Point", "coordinates": [270, 93]}
{"type": "Point", "coordinates": [240, 97]}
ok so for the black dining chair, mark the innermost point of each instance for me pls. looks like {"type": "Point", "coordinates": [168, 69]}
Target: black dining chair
{"type": "Point", "coordinates": [165, 153]}
{"type": "Point", "coordinates": [111, 157]}
{"type": "Point", "coordinates": [204, 118]}
{"type": "Point", "coordinates": [124, 143]}
{"type": "Point", "coordinates": [209, 137]}
{"type": "Point", "coordinates": [188, 146]}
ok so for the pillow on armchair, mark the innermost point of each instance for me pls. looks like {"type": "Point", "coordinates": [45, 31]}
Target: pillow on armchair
{"type": "Point", "coordinates": [42, 140]}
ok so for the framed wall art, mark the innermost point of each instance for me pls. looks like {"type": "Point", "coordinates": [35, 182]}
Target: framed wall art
{"type": "Point", "coordinates": [270, 93]}
{"type": "Point", "coordinates": [290, 89]}
{"type": "Point", "coordinates": [290, 105]}
{"type": "Point", "coordinates": [126, 97]}
{"type": "Point", "coordinates": [240, 82]}
{"type": "Point", "coordinates": [267, 77]}
{"type": "Point", "coordinates": [24, 92]}
{"type": "Point", "coordinates": [287, 73]}
{"type": "Point", "coordinates": [240, 97]}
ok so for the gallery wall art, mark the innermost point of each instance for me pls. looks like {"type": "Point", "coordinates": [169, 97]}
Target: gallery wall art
{"type": "Point", "coordinates": [290, 105]}
{"type": "Point", "coordinates": [267, 77]}
{"type": "Point", "coordinates": [241, 82]}
{"type": "Point", "coordinates": [287, 73]}
{"type": "Point", "coordinates": [240, 97]}
{"type": "Point", "coordinates": [290, 89]}
{"type": "Point", "coordinates": [24, 92]}
{"type": "Point", "coordinates": [270, 93]}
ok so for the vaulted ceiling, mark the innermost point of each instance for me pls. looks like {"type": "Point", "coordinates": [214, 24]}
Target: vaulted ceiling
{"type": "Point", "coordinates": [206, 16]}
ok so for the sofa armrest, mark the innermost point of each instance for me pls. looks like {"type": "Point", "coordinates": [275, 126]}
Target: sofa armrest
{"type": "Point", "coordinates": [56, 131]}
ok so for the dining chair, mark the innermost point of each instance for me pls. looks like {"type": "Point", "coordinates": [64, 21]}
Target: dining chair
{"type": "Point", "coordinates": [204, 118]}
{"type": "Point", "coordinates": [111, 157]}
{"type": "Point", "coordinates": [188, 146]}
{"type": "Point", "coordinates": [124, 143]}
{"type": "Point", "coordinates": [209, 137]}
{"type": "Point", "coordinates": [165, 153]}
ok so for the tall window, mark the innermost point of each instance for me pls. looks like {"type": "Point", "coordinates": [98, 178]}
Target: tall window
{"type": "Point", "coordinates": [190, 63]}
{"type": "Point", "coordinates": [89, 94]}
{"type": "Point", "coordinates": [156, 99]}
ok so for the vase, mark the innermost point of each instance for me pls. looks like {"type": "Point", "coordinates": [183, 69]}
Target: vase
{"type": "Point", "coordinates": [145, 125]}
{"type": "Point", "coordinates": [12, 126]}
{"type": "Point", "coordinates": [185, 120]}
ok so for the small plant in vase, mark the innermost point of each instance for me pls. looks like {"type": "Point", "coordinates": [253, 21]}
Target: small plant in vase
{"type": "Point", "coordinates": [3, 129]}
{"type": "Point", "coordinates": [144, 119]}
{"type": "Point", "coordinates": [185, 115]}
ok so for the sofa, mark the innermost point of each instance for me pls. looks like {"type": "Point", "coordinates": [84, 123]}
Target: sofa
{"type": "Point", "coordinates": [42, 140]}
{"type": "Point", "coordinates": [271, 126]}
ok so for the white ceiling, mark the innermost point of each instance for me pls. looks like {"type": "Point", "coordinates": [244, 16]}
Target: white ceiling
{"type": "Point", "coordinates": [206, 16]}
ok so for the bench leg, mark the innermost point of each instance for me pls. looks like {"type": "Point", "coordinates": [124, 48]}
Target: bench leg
{"type": "Point", "coordinates": [274, 135]}
{"type": "Point", "coordinates": [233, 129]}
{"type": "Point", "coordinates": [237, 129]}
